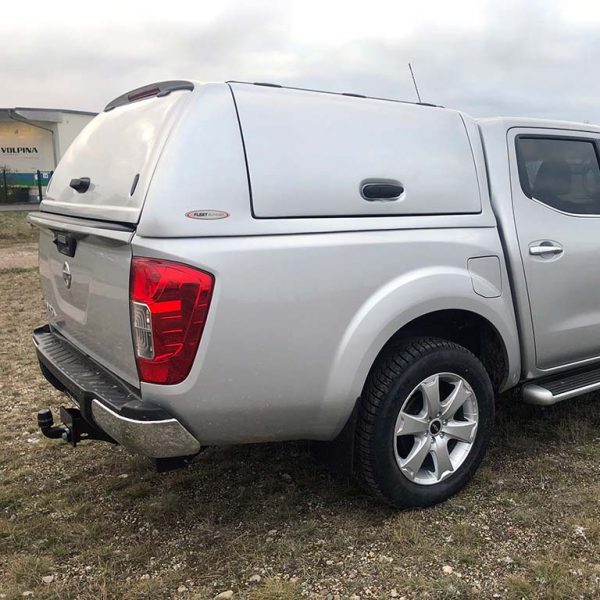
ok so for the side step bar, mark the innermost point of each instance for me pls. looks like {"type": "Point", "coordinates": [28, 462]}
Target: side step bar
{"type": "Point", "coordinates": [547, 391]}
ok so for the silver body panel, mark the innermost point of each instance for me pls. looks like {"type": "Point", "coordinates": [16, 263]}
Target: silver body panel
{"type": "Point", "coordinates": [311, 285]}
{"type": "Point", "coordinates": [297, 321]}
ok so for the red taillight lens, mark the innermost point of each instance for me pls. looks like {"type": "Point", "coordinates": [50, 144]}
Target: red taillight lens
{"type": "Point", "coordinates": [169, 306]}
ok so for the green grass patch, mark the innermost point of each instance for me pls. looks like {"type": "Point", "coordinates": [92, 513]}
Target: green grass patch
{"type": "Point", "coordinates": [15, 230]}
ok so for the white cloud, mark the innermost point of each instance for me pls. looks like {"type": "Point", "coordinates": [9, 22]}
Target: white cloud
{"type": "Point", "coordinates": [530, 57]}
{"type": "Point", "coordinates": [341, 21]}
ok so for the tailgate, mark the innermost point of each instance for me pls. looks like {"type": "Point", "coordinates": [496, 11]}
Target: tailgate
{"type": "Point", "coordinates": [84, 269]}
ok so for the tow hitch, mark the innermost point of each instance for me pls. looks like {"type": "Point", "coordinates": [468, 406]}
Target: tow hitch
{"type": "Point", "coordinates": [74, 428]}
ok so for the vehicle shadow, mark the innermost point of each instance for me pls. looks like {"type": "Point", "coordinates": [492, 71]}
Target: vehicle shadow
{"type": "Point", "coordinates": [286, 484]}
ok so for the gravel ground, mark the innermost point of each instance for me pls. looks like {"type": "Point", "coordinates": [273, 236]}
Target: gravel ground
{"type": "Point", "coordinates": [267, 522]}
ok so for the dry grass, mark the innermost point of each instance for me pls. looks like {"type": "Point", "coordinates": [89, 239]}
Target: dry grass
{"type": "Point", "coordinates": [14, 229]}
{"type": "Point", "coordinates": [103, 524]}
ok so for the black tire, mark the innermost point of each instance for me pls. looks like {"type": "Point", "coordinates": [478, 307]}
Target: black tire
{"type": "Point", "coordinates": [391, 381]}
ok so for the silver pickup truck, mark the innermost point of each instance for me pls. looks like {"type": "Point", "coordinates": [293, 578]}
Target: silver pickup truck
{"type": "Point", "coordinates": [228, 263]}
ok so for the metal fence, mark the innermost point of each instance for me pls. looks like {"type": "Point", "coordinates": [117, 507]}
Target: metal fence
{"type": "Point", "coordinates": [19, 188]}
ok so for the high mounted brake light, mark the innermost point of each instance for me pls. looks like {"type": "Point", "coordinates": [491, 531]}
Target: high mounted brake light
{"type": "Point", "coordinates": [162, 88]}
{"type": "Point", "coordinates": [169, 306]}
{"type": "Point", "coordinates": [144, 93]}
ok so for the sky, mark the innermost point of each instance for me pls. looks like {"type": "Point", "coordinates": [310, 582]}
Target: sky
{"type": "Point", "coordinates": [533, 58]}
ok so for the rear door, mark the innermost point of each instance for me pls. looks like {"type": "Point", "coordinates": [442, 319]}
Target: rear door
{"type": "Point", "coordinates": [87, 222]}
{"type": "Point", "coordinates": [555, 178]}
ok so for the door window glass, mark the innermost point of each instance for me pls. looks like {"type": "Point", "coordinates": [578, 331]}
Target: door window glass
{"type": "Point", "coordinates": [562, 173]}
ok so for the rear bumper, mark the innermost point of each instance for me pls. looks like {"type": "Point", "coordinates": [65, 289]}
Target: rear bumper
{"type": "Point", "coordinates": [110, 404]}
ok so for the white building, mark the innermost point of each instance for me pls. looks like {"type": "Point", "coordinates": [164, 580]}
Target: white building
{"type": "Point", "coordinates": [32, 140]}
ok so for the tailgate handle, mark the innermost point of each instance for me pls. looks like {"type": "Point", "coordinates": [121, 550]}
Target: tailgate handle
{"type": "Point", "coordinates": [80, 185]}
{"type": "Point", "coordinates": [65, 242]}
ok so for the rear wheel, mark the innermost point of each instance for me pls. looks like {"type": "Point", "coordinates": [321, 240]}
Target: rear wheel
{"type": "Point", "coordinates": [424, 422]}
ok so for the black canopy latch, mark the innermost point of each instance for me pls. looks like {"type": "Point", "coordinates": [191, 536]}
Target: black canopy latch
{"type": "Point", "coordinates": [80, 184]}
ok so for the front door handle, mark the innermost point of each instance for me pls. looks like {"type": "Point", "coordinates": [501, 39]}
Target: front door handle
{"type": "Point", "coordinates": [545, 248]}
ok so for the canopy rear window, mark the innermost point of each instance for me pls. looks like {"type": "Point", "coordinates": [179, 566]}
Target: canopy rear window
{"type": "Point", "coordinates": [117, 152]}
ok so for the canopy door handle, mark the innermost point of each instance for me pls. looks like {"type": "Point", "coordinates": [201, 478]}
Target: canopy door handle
{"type": "Point", "coordinates": [381, 191]}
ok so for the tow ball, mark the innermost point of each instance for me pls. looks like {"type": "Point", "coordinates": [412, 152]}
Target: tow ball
{"type": "Point", "coordinates": [74, 427]}
{"type": "Point", "coordinates": [45, 421]}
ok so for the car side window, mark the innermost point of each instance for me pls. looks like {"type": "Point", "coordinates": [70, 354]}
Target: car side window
{"type": "Point", "coordinates": [562, 173]}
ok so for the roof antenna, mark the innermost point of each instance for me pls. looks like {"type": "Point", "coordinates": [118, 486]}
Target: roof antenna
{"type": "Point", "coordinates": [415, 82]}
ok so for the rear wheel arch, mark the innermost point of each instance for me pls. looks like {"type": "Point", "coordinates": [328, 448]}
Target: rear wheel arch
{"type": "Point", "coordinates": [464, 327]}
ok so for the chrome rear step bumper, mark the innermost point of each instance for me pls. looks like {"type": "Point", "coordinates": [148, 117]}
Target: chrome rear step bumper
{"type": "Point", "coordinates": [166, 438]}
{"type": "Point", "coordinates": [109, 404]}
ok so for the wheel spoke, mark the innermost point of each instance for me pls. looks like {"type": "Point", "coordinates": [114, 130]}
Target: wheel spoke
{"type": "Point", "coordinates": [436, 428]}
{"type": "Point", "coordinates": [461, 430]}
{"type": "Point", "coordinates": [411, 424]}
{"type": "Point", "coordinates": [455, 400]}
{"type": "Point", "coordinates": [414, 461]}
{"type": "Point", "coordinates": [431, 395]}
{"type": "Point", "coordinates": [441, 458]}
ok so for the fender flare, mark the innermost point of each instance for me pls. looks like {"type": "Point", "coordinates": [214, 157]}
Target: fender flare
{"type": "Point", "coordinates": [390, 308]}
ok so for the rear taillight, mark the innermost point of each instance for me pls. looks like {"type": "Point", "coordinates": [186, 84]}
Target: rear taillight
{"type": "Point", "coordinates": [169, 306]}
